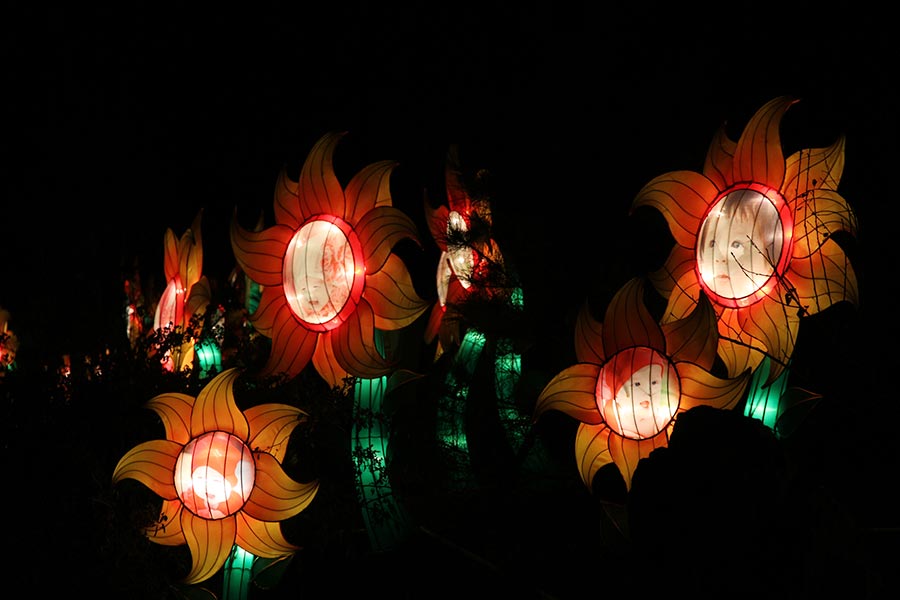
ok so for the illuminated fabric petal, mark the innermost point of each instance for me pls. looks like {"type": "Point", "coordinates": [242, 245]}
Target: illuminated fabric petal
{"type": "Point", "coordinates": [824, 214]}
{"type": "Point", "coordinates": [167, 532]}
{"type": "Point", "coordinates": [276, 496]}
{"type": "Point", "coordinates": [814, 169]}
{"type": "Point", "coordinates": [735, 346]}
{"type": "Point", "coordinates": [174, 410]}
{"type": "Point", "coordinates": [190, 254]}
{"type": "Point", "coordinates": [318, 187]}
{"type": "Point", "coordinates": [823, 279]}
{"type": "Point", "coordinates": [379, 230]}
{"type": "Point", "coordinates": [210, 543]}
{"type": "Point", "coordinates": [271, 312]}
{"type": "Point", "coordinates": [199, 297]}
{"type": "Point", "coordinates": [216, 410]}
{"type": "Point", "coordinates": [393, 297]}
{"type": "Point", "coordinates": [262, 538]}
{"type": "Point", "coordinates": [683, 197]}
{"type": "Point", "coordinates": [271, 426]}
{"type": "Point", "coordinates": [626, 452]}
{"type": "Point", "coordinates": [694, 338]}
{"type": "Point", "coordinates": [719, 160]}
{"type": "Point", "coordinates": [572, 392]}
{"type": "Point", "coordinates": [292, 344]}
{"type": "Point", "coordinates": [699, 387]}
{"type": "Point", "coordinates": [354, 347]}
{"type": "Point", "coordinates": [775, 327]}
{"type": "Point", "coordinates": [680, 262]}
{"type": "Point", "coordinates": [260, 254]}
{"type": "Point", "coordinates": [436, 218]}
{"type": "Point", "coordinates": [369, 188]}
{"type": "Point", "coordinates": [758, 156]}
{"type": "Point", "coordinates": [592, 450]}
{"type": "Point", "coordinates": [325, 362]}
{"type": "Point", "coordinates": [683, 299]}
{"type": "Point", "coordinates": [628, 322]}
{"type": "Point", "coordinates": [170, 255]}
{"type": "Point", "coordinates": [151, 463]}
{"type": "Point", "coordinates": [588, 337]}
{"type": "Point", "coordinates": [287, 202]}
{"type": "Point", "coordinates": [434, 323]}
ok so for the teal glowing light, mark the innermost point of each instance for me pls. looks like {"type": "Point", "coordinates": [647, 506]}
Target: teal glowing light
{"type": "Point", "coordinates": [210, 358]}
{"type": "Point", "coordinates": [765, 402]}
{"type": "Point", "coordinates": [237, 574]}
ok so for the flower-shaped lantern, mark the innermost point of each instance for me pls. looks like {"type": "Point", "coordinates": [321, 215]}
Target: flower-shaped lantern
{"type": "Point", "coordinates": [220, 476]}
{"type": "Point", "coordinates": [187, 294]}
{"type": "Point", "coordinates": [754, 233]}
{"type": "Point", "coordinates": [633, 378]}
{"type": "Point", "coordinates": [328, 274]}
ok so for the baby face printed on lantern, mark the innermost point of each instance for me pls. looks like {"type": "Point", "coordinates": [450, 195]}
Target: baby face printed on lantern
{"type": "Point", "coordinates": [460, 256]}
{"type": "Point", "coordinates": [638, 393]}
{"type": "Point", "coordinates": [214, 475]}
{"type": "Point", "coordinates": [739, 245]}
{"type": "Point", "coordinates": [319, 271]}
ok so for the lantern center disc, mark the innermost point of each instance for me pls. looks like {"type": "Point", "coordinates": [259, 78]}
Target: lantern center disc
{"type": "Point", "coordinates": [214, 475]}
{"type": "Point", "coordinates": [638, 393]}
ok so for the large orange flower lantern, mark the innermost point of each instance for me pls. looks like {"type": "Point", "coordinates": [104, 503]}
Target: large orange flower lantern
{"type": "Point", "coordinates": [220, 476]}
{"type": "Point", "coordinates": [754, 233]}
{"type": "Point", "coordinates": [633, 378]}
{"type": "Point", "coordinates": [327, 270]}
{"type": "Point", "coordinates": [187, 294]}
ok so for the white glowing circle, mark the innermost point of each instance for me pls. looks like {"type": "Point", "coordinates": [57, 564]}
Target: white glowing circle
{"type": "Point", "coordinates": [214, 475]}
{"type": "Point", "coordinates": [318, 272]}
{"type": "Point", "coordinates": [461, 257]}
{"type": "Point", "coordinates": [638, 393]}
{"type": "Point", "coordinates": [739, 244]}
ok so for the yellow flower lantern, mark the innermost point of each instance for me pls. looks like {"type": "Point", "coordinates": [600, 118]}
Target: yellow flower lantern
{"type": "Point", "coordinates": [634, 377]}
{"type": "Point", "coordinates": [328, 274]}
{"type": "Point", "coordinates": [186, 296]}
{"type": "Point", "coordinates": [754, 233]}
{"type": "Point", "coordinates": [220, 476]}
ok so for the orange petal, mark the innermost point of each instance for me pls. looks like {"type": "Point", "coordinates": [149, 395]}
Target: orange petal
{"type": "Point", "coordinates": [822, 279]}
{"type": "Point", "coordinates": [437, 223]}
{"type": "Point", "coordinates": [287, 203]}
{"type": "Point", "coordinates": [737, 349]}
{"type": "Point", "coordinates": [823, 214]}
{"type": "Point", "coordinates": [262, 538]}
{"type": "Point", "coordinates": [814, 169]}
{"type": "Point", "coordinates": [680, 262]}
{"type": "Point", "coordinates": [353, 344]}
{"type": "Point", "coordinates": [292, 344]}
{"type": "Point", "coordinates": [683, 197]}
{"type": "Point", "coordinates": [326, 364]}
{"type": "Point", "coordinates": [758, 156]}
{"type": "Point", "coordinates": [592, 451]}
{"type": "Point", "coordinates": [695, 337]}
{"type": "Point", "coordinates": [683, 299]}
{"type": "Point", "coordinates": [720, 160]}
{"type": "Point", "coordinates": [572, 392]}
{"type": "Point", "coordinates": [700, 387]}
{"type": "Point", "coordinates": [216, 410]}
{"type": "Point", "coordinates": [170, 255]}
{"type": "Point", "coordinates": [588, 337]}
{"type": "Point", "coordinates": [271, 426]}
{"type": "Point", "coordinates": [174, 409]}
{"type": "Point", "coordinates": [319, 189]}
{"type": "Point", "coordinates": [190, 254]}
{"type": "Point", "coordinates": [153, 464]}
{"type": "Point", "coordinates": [271, 312]}
{"type": "Point", "coordinates": [775, 326]}
{"type": "Point", "coordinates": [210, 543]}
{"type": "Point", "coordinates": [276, 496]}
{"type": "Point", "coordinates": [434, 323]}
{"type": "Point", "coordinates": [199, 297]}
{"type": "Point", "coordinates": [167, 531]}
{"type": "Point", "coordinates": [369, 188]}
{"type": "Point", "coordinates": [393, 297]}
{"type": "Point", "coordinates": [628, 322]}
{"type": "Point", "coordinates": [261, 253]}
{"type": "Point", "coordinates": [627, 453]}
{"type": "Point", "coordinates": [379, 231]}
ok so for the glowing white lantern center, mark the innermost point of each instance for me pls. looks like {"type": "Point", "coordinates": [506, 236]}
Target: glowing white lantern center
{"type": "Point", "coordinates": [214, 475]}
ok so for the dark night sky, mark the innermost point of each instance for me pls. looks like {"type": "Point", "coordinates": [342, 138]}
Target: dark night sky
{"type": "Point", "coordinates": [119, 125]}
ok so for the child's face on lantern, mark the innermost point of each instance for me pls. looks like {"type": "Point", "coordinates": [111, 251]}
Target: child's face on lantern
{"type": "Point", "coordinates": [642, 406]}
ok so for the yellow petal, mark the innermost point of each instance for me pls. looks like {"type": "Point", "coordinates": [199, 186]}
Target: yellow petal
{"type": "Point", "coordinates": [588, 337]}
{"type": "Point", "coordinates": [700, 387]}
{"type": "Point", "coordinates": [379, 230]}
{"type": "Point", "coordinates": [737, 349]}
{"type": "Point", "coordinates": [393, 297]}
{"type": "Point", "coordinates": [814, 169]}
{"type": "Point", "coordinates": [592, 451]}
{"type": "Point", "coordinates": [153, 464]}
{"type": "Point", "coordinates": [683, 299]}
{"type": "Point", "coordinates": [190, 253]}
{"type": "Point", "coordinates": [628, 322]}
{"type": "Point", "coordinates": [822, 279]}
{"type": "Point", "coordinates": [775, 326]}
{"type": "Point", "coordinates": [369, 188]}
{"type": "Point", "coordinates": [680, 262]}
{"type": "Point", "coordinates": [758, 156]}
{"type": "Point", "coordinates": [276, 496]}
{"type": "Point", "coordinates": [167, 531]}
{"type": "Point", "coordinates": [694, 338]}
{"type": "Point", "coordinates": [319, 189]}
{"type": "Point", "coordinates": [216, 410]}
{"type": "Point", "coordinates": [683, 197]}
{"type": "Point", "coordinates": [823, 214]}
{"type": "Point", "coordinates": [260, 254]}
{"type": "Point", "coordinates": [210, 543]}
{"type": "Point", "coordinates": [199, 297]}
{"type": "Point", "coordinates": [572, 392]}
{"type": "Point", "coordinates": [174, 409]}
{"type": "Point", "coordinates": [271, 426]}
{"type": "Point", "coordinates": [627, 453]}
{"type": "Point", "coordinates": [262, 538]}
{"type": "Point", "coordinates": [719, 166]}
{"type": "Point", "coordinates": [353, 344]}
